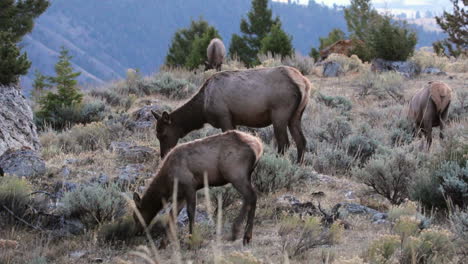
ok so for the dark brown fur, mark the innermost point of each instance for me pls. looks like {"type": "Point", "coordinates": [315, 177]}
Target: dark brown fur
{"type": "Point", "coordinates": [229, 157]}
{"type": "Point", "coordinates": [429, 108]}
{"type": "Point", "coordinates": [253, 98]}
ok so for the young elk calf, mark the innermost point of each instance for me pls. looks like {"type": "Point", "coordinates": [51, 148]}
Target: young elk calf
{"type": "Point", "coordinates": [229, 157]}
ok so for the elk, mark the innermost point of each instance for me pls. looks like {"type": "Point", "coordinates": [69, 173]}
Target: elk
{"type": "Point", "coordinates": [252, 98]}
{"type": "Point", "coordinates": [429, 107]}
{"type": "Point", "coordinates": [225, 158]}
{"type": "Point", "coordinates": [215, 53]}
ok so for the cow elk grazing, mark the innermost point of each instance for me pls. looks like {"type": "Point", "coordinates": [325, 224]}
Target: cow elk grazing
{"type": "Point", "coordinates": [253, 98]}
{"type": "Point", "coordinates": [429, 108]}
{"type": "Point", "coordinates": [225, 158]}
{"type": "Point", "coordinates": [215, 54]}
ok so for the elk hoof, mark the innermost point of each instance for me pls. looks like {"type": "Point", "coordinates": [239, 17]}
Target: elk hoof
{"type": "Point", "coordinates": [246, 241]}
{"type": "Point", "coordinates": [233, 237]}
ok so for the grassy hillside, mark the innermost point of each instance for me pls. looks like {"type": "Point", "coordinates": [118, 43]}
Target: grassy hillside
{"type": "Point", "coordinates": [107, 37]}
{"type": "Point", "coordinates": [357, 132]}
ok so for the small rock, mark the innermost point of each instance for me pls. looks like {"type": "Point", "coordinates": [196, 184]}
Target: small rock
{"type": "Point", "coordinates": [129, 174]}
{"type": "Point", "coordinates": [101, 179]}
{"type": "Point", "coordinates": [358, 209]}
{"type": "Point", "coordinates": [64, 172]}
{"type": "Point", "coordinates": [317, 194]}
{"type": "Point", "coordinates": [130, 153]}
{"type": "Point", "coordinates": [73, 226]}
{"type": "Point", "coordinates": [143, 118]}
{"type": "Point", "coordinates": [117, 146]}
{"type": "Point", "coordinates": [292, 205]}
{"type": "Point", "coordinates": [70, 161]}
{"type": "Point", "coordinates": [380, 222]}
{"type": "Point", "coordinates": [200, 217]}
{"type": "Point", "coordinates": [287, 200]}
{"type": "Point", "coordinates": [350, 195]}
{"type": "Point", "coordinates": [77, 254]}
{"type": "Point", "coordinates": [23, 163]}
{"type": "Point", "coordinates": [433, 70]}
{"type": "Point", "coordinates": [332, 69]}
{"type": "Point", "coordinates": [379, 216]}
{"type": "Point", "coordinates": [61, 187]}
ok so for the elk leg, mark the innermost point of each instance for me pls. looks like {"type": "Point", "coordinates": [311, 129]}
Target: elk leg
{"type": "Point", "coordinates": [226, 124]}
{"type": "Point", "coordinates": [281, 133]}
{"type": "Point", "coordinates": [180, 206]}
{"type": "Point", "coordinates": [295, 129]}
{"type": "Point", "coordinates": [250, 217]}
{"type": "Point", "coordinates": [249, 203]}
{"type": "Point", "coordinates": [428, 133]}
{"type": "Point", "coordinates": [172, 219]}
{"type": "Point", "coordinates": [191, 198]}
{"type": "Point", "coordinates": [442, 126]}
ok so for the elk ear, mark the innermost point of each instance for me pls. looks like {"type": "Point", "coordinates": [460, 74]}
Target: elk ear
{"type": "Point", "coordinates": [156, 115]}
{"type": "Point", "coordinates": [166, 118]}
{"type": "Point", "coordinates": [137, 199]}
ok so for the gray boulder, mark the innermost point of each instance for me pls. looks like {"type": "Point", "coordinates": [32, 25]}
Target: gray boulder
{"type": "Point", "coordinates": [332, 69]}
{"type": "Point", "coordinates": [408, 69]}
{"type": "Point", "coordinates": [22, 163]}
{"type": "Point", "coordinates": [17, 128]}
{"type": "Point", "coordinates": [143, 118]}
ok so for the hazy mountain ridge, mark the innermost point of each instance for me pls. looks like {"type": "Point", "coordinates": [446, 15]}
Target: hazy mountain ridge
{"type": "Point", "coordinates": [107, 37]}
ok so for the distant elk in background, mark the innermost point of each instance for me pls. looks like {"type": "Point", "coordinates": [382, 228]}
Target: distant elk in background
{"type": "Point", "coordinates": [215, 54]}
{"type": "Point", "coordinates": [429, 107]}
{"type": "Point", "coordinates": [345, 47]}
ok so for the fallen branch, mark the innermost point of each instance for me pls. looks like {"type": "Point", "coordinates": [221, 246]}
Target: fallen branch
{"type": "Point", "coordinates": [21, 220]}
{"type": "Point", "coordinates": [44, 192]}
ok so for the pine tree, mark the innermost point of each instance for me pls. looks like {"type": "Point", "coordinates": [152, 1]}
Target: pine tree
{"type": "Point", "coordinates": [258, 25]}
{"type": "Point", "coordinates": [360, 17]}
{"type": "Point", "coordinates": [334, 35]}
{"type": "Point", "coordinates": [12, 63]}
{"type": "Point", "coordinates": [183, 43]}
{"type": "Point", "coordinates": [39, 86]}
{"type": "Point", "coordinates": [67, 97]}
{"type": "Point", "coordinates": [277, 42]}
{"type": "Point", "coordinates": [390, 41]}
{"type": "Point", "coordinates": [65, 80]}
{"type": "Point", "coordinates": [198, 53]}
{"type": "Point", "coordinates": [16, 20]}
{"type": "Point", "coordinates": [17, 17]}
{"type": "Point", "coordinates": [456, 26]}
{"type": "Point", "coordinates": [314, 53]}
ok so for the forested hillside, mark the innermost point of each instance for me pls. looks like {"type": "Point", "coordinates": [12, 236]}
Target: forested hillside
{"type": "Point", "coordinates": [108, 36]}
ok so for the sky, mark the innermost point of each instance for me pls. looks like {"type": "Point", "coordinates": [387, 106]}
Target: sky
{"type": "Point", "coordinates": [396, 6]}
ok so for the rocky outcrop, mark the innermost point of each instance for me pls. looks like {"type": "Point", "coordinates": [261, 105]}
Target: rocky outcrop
{"type": "Point", "coordinates": [345, 47]}
{"type": "Point", "coordinates": [408, 69]}
{"type": "Point", "coordinates": [22, 163]}
{"type": "Point", "coordinates": [17, 129]}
